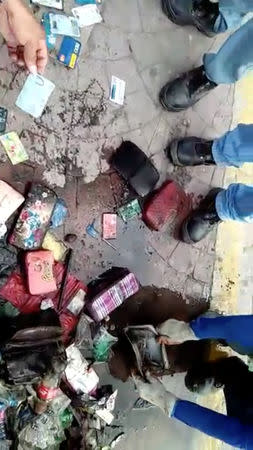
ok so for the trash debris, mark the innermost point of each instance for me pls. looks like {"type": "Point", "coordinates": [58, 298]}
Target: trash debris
{"type": "Point", "coordinates": [47, 303]}
{"type": "Point", "coordinates": [167, 206]}
{"type": "Point", "coordinates": [109, 244]}
{"type": "Point", "coordinates": [46, 431]}
{"type": "Point", "coordinates": [91, 231]}
{"type": "Point", "coordinates": [33, 346]}
{"type": "Point", "coordinates": [109, 298]}
{"type": "Point", "coordinates": [10, 200]}
{"type": "Point", "coordinates": [50, 37]}
{"type": "Point", "coordinates": [34, 218]}
{"type": "Point", "coordinates": [47, 390]}
{"type": "Point", "coordinates": [87, 15]}
{"type": "Point", "coordinates": [34, 95]}
{"type": "Point", "coordinates": [116, 440]}
{"type": "Point", "coordinates": [142, 404]}
{"type": "Point", "coordinates": [83, 338]}
{"type": "Point", "coordinates": [14, 147]}
{"type": "Point", "coordinates": [58, 248]}
{"type": "Point", "coordinates": [3, 119]}
{"type": "Point", "coordinates": [8, 261]}
{"type": "Point", "coordinates": [130, 210]}
{"type": "Point", "coordinates": [109, 226]}
{"type": "Point", "coordinates": [56, 4]}
{"type": "Point", "coordinates": [78, 374]}
{"type": "Point", "coordinates": [102, 343]}
{"type": "Point", "coordinates": [106, 412]}
{"type": "Point", "coordinates": [70, 238]}
{"type": "Point", "coordinates": [64, 278]}
{"type": "Point", "coordinates": [60, 213]}
{"type": "Point", "coordinates": [39, 266]}
{"type": "Point", "coordinates": [76, 304]}
{"type": "Point", "coordinates": [134, 166]}
{"type": "Point", "coordinates": [117, 92]}
{"type": "Point", "coordinates": [69, 52]}
{"type": "Point", "coordinates": [27, 303]}
{"type": "Point", "coordinates": [64, 25]}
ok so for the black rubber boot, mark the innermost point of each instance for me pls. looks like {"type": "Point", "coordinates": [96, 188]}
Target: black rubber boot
{"type": "Point", "coordinates": [202, 220]}
{"type": "Point", "coordinates": [190, 151]}
{"type": "Point", "coordinates": [186, 90]}
{"type": "Point", "coordinates": [200, 13]}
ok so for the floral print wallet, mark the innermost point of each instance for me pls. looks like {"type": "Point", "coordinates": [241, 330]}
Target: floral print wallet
{"type": "Point", "coordinates": [34, 218]}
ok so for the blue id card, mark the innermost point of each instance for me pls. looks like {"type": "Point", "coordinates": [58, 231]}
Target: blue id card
{"type": "Point", "coordinates": [69, 52]}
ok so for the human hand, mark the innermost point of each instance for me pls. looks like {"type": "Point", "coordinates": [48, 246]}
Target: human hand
{"type": "Point", "coordinates": [155, 392]}
{"type": "Point", "coordinates": [24, 36]}
{"type": "Point", "coordinates": [165, 340]}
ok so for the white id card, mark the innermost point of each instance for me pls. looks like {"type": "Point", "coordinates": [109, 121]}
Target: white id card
{"type": "Point", "coordinates": [87, 15]}
{"type": "Point", "coordinates": [34, 95]}
{"type": "Point", "coordinates": [64, 25]}
{"type": "Point", "coordinates": [117, 93]}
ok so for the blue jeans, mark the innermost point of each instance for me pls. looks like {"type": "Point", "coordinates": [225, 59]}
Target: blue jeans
{"type": "Point", "coordinates": [235, 203]}
{"type": "Point", "coordinates": [234, 59]}
{"type": "Point", "coordinates": [235, 330]}
{"type": "Point", "coordinates": [235, 147]}
{"type": "Point", "coordinates": [231, 14]}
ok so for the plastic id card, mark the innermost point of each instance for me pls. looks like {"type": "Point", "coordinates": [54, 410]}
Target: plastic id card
{"type": "Point", "coordinates": [34, 95]}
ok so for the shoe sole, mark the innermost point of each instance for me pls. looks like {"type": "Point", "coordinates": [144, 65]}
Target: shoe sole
{"type": "Point", "coordinates": [184, 233]}
{"type": "Point", "coordinates": [170, 108]}
{"type": "Point", "coordinates": [173, 149]}
{"type": "Point", "coordinates": [168, 11]}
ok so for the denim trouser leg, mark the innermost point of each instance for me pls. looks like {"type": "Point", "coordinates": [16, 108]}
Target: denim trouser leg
{"type": "Point", "coordinates": [235, 147]}
{"type": "Point", "coordinates": [236, 330]}
{"type": "Point", "coordinates": [235, 203]}
{"type": "Point", "coordinates": [232, 13]}
{"type": "Point", "coordinates": [234, 59]}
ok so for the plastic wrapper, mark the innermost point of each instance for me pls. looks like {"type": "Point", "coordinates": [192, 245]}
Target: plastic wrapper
{"type": "Point", "coordinates": [60, 214]}
{"type": "Point", "coordinates": [78, 374]}
{"type": "Point", "coordinates": [8, 261]}
{"type": "Point", "coordinates": [46, 431]}
{"type": "Point", "coordinates": [102, 343]}
{"type": "Point", "coordinates": [83, 338]}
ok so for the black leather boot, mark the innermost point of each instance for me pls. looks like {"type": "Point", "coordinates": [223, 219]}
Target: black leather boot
{"type": "Point", "coordinates": [190, 151]}
{"type": "Point", "coordinates": [200, 13]}
{"type": "Point", "coordinates": [186, 90]}
{"type": "Point", "coordinates": [202, 220]}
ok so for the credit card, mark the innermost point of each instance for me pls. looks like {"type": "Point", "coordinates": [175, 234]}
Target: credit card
{"type": "Point", "coordinates": [69, 52]}
{"type": "Point", "coordinates": [118, 87]}
{"type": "Point", "coordinates": [109, 226]}
{"type": "Point", "coordinates": [14, 147]}
{"type": "Point", "coordinates": [34, 95]}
